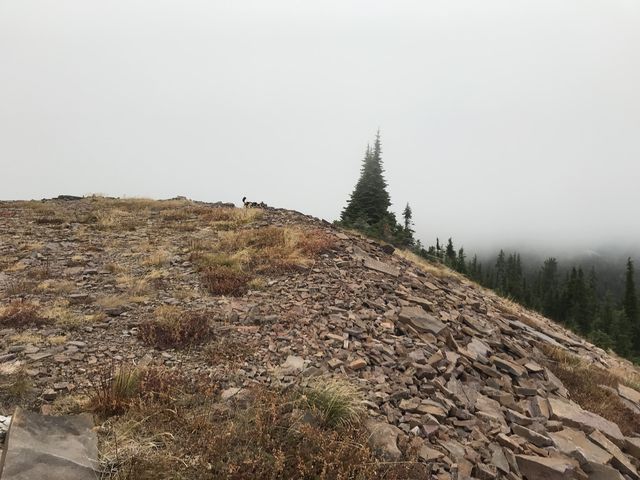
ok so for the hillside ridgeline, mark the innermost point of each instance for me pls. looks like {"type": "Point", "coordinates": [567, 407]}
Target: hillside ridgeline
{"type": "Point", "coordinates": [214, 342]}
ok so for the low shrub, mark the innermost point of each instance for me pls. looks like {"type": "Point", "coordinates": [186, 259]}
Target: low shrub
{"type": "Point", "coordinates": [21, 314]}
{"type": "Point", "coordinates": [225, 280]}
{"type": "Point", "coordinates": [228, 351]}
{"type": "Point", "coordinates": [317, 241]}
{"type": "Point", "coordinates": [172, 327]}
{"type": "Point", "coordinates": [21, 287]}
{"type": "Point", "coordinates": [262, 437]}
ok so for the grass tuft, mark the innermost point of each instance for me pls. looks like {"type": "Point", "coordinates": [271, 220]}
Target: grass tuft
{"type": "Point", "coordinates": [115, 390]}
{"type": "Point", "coordinates": [335, 401]}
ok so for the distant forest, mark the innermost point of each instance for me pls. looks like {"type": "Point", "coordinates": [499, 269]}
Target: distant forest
{"type": "Point", "coordinates": [600, 304]}
{"type": "Point", "coordinates": [595, 298]}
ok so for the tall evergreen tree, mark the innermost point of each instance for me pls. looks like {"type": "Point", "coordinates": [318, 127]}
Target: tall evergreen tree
{"type": "Point", "coordinates": [461, 264]}
{"type": "Point", "coordinates": [407, 215]}
{"type": "Point", "coordinates": [548, 288]}
{"type": "Point", "coordinates": [630, 304]}
{"type": "Point", "coordinates": [407, 231]}
{"type": "Point", "coordinates": [450, 253]}
{"type": "Point", "coordinates": [500, 282]}
{"type": "Point", "coordinates": [370, 200]}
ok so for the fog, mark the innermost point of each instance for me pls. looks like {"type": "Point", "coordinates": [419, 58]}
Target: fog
{"type": "Point", "coordinates": [502, 122]}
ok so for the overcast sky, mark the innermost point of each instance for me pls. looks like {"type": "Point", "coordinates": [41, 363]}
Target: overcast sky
{"type": "Point", "coordinates": [502, 121]}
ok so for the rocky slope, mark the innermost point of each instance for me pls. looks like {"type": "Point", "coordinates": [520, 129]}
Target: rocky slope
{"type": "Point", "coordinates": [458, 374]}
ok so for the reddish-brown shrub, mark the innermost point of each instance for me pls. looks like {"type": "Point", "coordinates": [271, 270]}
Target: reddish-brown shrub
{"type": "Point", "coordinates": [259, 436]}
{"type": "Point", "coordinates": [314, 242]}
{"type": "Point", "coordinates": [21, 314]}
{"type": "Point", "coordinates": [174, 328]}
{"type": "Point", "coordinates": [225, 280]}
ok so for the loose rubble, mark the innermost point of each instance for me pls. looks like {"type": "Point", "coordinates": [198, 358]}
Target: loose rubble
{"type": "Point", "coordinates": [446, 367]}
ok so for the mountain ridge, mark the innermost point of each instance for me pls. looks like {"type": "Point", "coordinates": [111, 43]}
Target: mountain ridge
{"type": "Point", "coordinates": [453, 376]}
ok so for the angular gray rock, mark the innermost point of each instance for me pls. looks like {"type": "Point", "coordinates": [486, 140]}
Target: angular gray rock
{"type": "Point", "coordinates": [50, 448]}
{"type": "Point", "coordinates": [383, 439]}
{"type": "Point", "coordinates": [546, 468]}
{"type": "Point", "coordinates": [574, 416]}
{"type": "Point", "coordinates": [421, 320]}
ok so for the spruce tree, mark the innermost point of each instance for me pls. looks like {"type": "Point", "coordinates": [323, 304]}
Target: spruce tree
{"type": "Point", "coordinates": [549, 287]}
{"type": "Point", "coordinates": [630, 305]}
{"type": "Point", "coordinates": [407, 231]}
{"type": "Point", "coordinates": [450, 253]}
{"type": "Point", "coordinates": [461, 264]}
{"type": "Point", "coordinates": [370, 200]}
{"type": "Point", "coordinates": [500, 282]}
{"type": "Point", "coordinates": [407, 215]}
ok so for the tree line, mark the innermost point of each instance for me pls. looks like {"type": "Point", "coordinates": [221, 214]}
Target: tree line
{"type": "Point", "coordinates": [572, 297]}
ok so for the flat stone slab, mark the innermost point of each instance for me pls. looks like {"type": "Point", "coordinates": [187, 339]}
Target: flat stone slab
{"type": "Point", "coordinates": [620, 460]}
{"type": "Point", "coordinates": [421, 320]}
{"type": "Point", "coordinates": [381, 267]}
{"type": "Point", "coordinates": [50, 448]}
{"type": "Point", "coordinates": [575, 444]}
{"type": "Point", "coordinates": [573, 415]}
{"type": "Point", "coordinates": [629, 393]}
{"type": "Point", "coordinates": [547, 468]}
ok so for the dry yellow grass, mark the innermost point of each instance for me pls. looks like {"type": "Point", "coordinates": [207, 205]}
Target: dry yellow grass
{"type": "Point", "coordinates": [62, 315]}
{"type": "Point", "coordinates": [436, 269]}
{"type": "Point", "coordinates": [274, 248]}
{"type": "Point", "coordinates": [56, 340]}
{"type": "Point", "coordinates": [56, 286]}
{"type": "Point", "coordinates": [135, 286]}
{"type": "Point", "coordinates": [184, 294]}
{"type": "Point", "coordinates": [335, 401]}
{"type": "Point", "coordinates": [234, 216]}
{"type": "Point", "coordinates": [160, 258]}
{"type": "Point", "coordinates": [133, 204]}
{"type": "Point", "coordinates": [115, 219]}
{"type": "Point", "coordinates": [257, 283]}
{"type": "Point", "coordinates": [115, 301]}
{"type": "Point", "coordinates": [22, 314]}
{"type": "Point", "coordinates": [230, 263]}
{"type": "Point", "coordinates": [174, 327]}
{"type": "Point", "coordinates": [113, 267]}
{"type": "Point", "coordinates": [70, 404]}
{"type": "Point", "coordinates": [19, 384]}
{"type": "Point", "coordinates": [26, 337]}
{"type": "Point", "coordinates": [21, 287]}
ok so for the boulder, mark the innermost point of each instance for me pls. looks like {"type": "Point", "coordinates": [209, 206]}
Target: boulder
{"type": "Point", "coordinates": [292, 365]}
{"type": "Point", "coordinates": [50, 448]}
{"type": "Point", "coordinates": [383, 439]}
